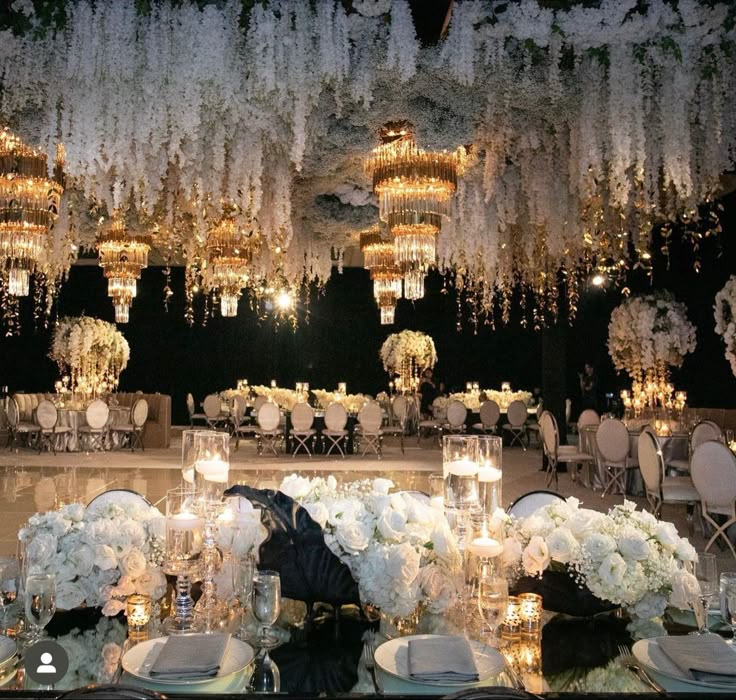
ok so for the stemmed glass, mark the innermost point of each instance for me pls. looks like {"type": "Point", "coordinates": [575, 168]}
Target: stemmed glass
{"type": "Point", "coordinates": [266, 606]}
{"type": "Point", "coordinates": [244, 569]}
{"type": "Point", "coordinates": [706, 571]}
{"type": "Point", "coordinates": [40, 598]}
{"type": "Point", "coordinates": [9, 585]}
{"type": "Point", "coordinates": [493, 598]}
{"type": "Point", "coordinates": [728, 600]}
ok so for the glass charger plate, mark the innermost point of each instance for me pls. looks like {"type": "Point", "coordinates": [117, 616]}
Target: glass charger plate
{"type": "Point", "coordinates": [8, 650]}
{"type": "Point", "coordinates": [392, 658]}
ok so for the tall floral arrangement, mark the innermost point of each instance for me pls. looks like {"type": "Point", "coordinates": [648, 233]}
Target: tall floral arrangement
{"type": "Point", "coordinates": [408, 353]}
{"type": "Point", "coordinates": [93, 351]}
{"type": "Point", "coordinates": [725, 315]}
{"type": "Point", "coordinates": [399, 550]}
{"type": "Point", "coordinates": [648, 334]}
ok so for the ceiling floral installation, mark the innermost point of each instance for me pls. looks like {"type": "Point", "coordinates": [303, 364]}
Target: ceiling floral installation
{"type": "Point", "coordinates": [587, 128]}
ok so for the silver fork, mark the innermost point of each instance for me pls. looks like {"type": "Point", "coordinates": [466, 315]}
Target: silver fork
{"type": "Point", "coordinates": [630, 662]}
{"type": "Point", "coordinates": [369, 653]}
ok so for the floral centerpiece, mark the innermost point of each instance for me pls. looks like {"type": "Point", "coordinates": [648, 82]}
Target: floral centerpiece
{"type": "Point", "coordinates": [649, 334]}
{"type": "Point", "coordinates": [399, 550]}
{"type": "Point", "coordinates": [725, 315]}
{"type": "Point", "coordinates": [93, 351]}
{"type": "Point", "coordinates": [408, 353]}
{"type": "Point", "coordinates": [100, 556]}
{"type": "Point", "coordinates": [625, 556]}
{"type": "Point", "coordinates": [285, 399]}
{"type": "Point", "coordinates": [352, 402]}
{"type": "Point", "coordinates": [505, 398]}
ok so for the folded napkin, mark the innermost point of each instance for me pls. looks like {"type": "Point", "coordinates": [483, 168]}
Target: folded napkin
{"type": "Point", "coordinates": [190, 656]}
{"type": "Point", "coordinates": [703, 657]}
{"type": "Point", "coordinates": [442, 659]}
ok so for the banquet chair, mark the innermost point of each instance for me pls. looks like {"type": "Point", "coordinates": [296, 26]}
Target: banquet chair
{"type": "Point", "coordinates": [238, 407]}
{"type": "Point", "coordinates": [238, 417]}
{"type": "Point", "coordinates": [612, 442]}
{"type": "Point", "coordinates": [269, 431]}
{"type": "Point", "coordinates": [213, 410]}
{"type": "Point", "coordinates": [18, 428]}
{"type": "Point", "coordinates": [47, 417]}
{"type": "Point", "coordinates": [661, 489]}
{"type": "Point", "coordinates": [336, 418]}
{"type": "Point", "coordinates": [368, 429]}
{"type": "Point", "coordinates": [94, 433]}
{"type": "Point", "coordinates": [533, 426]}
{"type": "Point", "coordinates": [434, 424]}
{"type": "Point", "coordinates": [302, 432]}
{"type": "Point", "coordinates": [259, 401]}
{"type": "Point", "coordinates": [516, 414]}
{"type": "Point", "coordinates": [490, 413]}
{"type": "Point", "coordinates": [713, 471]}
{"type": "Point", "coordinates": [192, 415]}
{"type": "Point", "coordinates": [556, 453]}
{"type": "Point", "coordinates": [528, 503]}
{"type": "Point", "coordinates": [400, 410]}
{"type": "Point", "coordinates": [588, 416]}
{"type": "Point", "coordinates": [134, 429]}
{"type": "Point", "coordinates": [704, 431]}
{"type": "Point", "coordinates": [456, 415]}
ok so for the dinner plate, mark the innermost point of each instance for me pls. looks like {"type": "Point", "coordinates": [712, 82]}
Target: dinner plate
{"type": "Point", "coordinates": [392, 657]}
{"type": "Point", "coordinates": [649, 654]}
{"type": "Point", "coordinates": [8, 649]}
{"type": "Point", "coordinates": [120, 497]}
{"type": "Point", "coordinates": [139, 660]}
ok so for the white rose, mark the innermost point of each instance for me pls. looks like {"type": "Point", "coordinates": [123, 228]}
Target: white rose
{"type": "Point", "coordinates": [111, 653]}
{"type": "Point", "coordinates": [685, 587]}
{"type": "Point", "coordinates": [443, 540]}
{"type": "Point", "coordinates": [511, 552]}
{"type": "Point", "coordinates": [124, 587]}
{"type": "Point", "coordinates": [612, 569]}
{"type": "Point", "coordinates": [105, 557]}
{"type": "Point", "coordinates": [74, 511]}
{"type": "Point", "coordinates": [318, 512]}
{"type": "Point", "coordinates": [151, 583]}
{"type": "Point", "coordinates": [561, 545]}
{"type": "Point", "coordinates": [343, 510]}
{"type": "Point", "coordinates": [685, 551]}
{"type": "Point", "coordinates": [41, 550]}
{"type": "Point", "coordinates": [535, 556]}
{"type": "Point", "coordinates": [133, 563]}
{"type": "Point", "coordinates": [646, 628]}
{"type": "Point", "coordinates": [598, 545]}
{"type": "Point", "coordinates": [157, 526]}
{"type": "Point", "coordinates": [382, 486]}
{"type": "Point", "coordinates": [133, 533]}
{"type": "Point", "coordinates": [353, 536]}
{"type": "Point", "coordinates": [113, 607]}
{"type": "Point", "coordinates": [331, 482]}
{"type": "Point", "coordinates": [418, 512]}
{"type": "Point", "coordinates": [666, 533]}
{"type": "Point", "coordinates": [68, 596]}
{"type": "Point", "coordinates": [633, 545]}
{"type": "Point", "coordinates": [391, 524]}
{"type": "Point", "coordinates": [438, 588]}
{"type": "Point", "coordinates": [83, 559]}
{"type": "Point", "coordinates": [402, 564]}
{"type": "Point", "coordinates": [651, 605]}
{"type": "Point", "coordinates": [295, 486]}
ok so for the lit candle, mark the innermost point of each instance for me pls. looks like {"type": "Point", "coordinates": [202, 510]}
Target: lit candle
{"type": "Point", "coordinates": [489, 473]}
{"type": "Point", "coordinates": [138, 610]}
{"type": "Point", "coordinates": [531, 611]}
{"type": "Point", "coordinates": [468, 387]}
{"type": "Point", "coordinates": [184, 521]}
{"type": "Point", "coordinates": [342, 387]}
{"type": "Point", "coordinates": [273, 383]}
{"type": "Point", "coordinates": [462, 467]}
{"type": "Point", "coordinates": [213, 470]}
{"type": "Point", "coordinates": [512, 622]}
{"type": "Point", "coordinates": [485, 547]}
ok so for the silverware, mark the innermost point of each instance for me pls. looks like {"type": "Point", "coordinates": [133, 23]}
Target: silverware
{"type": "Point", "coordinates": [369, 653]}
{"type": "Point", "coordinates": [630, 662]}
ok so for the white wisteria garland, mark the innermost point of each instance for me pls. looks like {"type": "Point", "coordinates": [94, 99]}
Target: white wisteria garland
{"type": "Point", "coordinates": [725, 316]}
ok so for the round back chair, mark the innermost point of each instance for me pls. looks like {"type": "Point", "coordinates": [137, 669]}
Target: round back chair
{"type": "Point", "coordinates": [336, 417]}
{"type": "Point", "coordinates": [439, 409]}
{"type": "Point", "coordinates": [97, 414]}
{"type": "Point", "coordinates": [47, 415]}
{"type": "Point", "coordinates": [650, 462]}
{"type": "Point", "coordinates": [550, 436]}
{"type": "Point", "coordinates": [516, 413]}
{"type": "Point", "coordinates": [139, 414]}
{"type": "Point", "coordinates": [612, 439]}
{"type": "Point", "coordinates": [370, 418]}
{"type": "Point", "coordinates": [212, 406]}
{"type": "Point", "coordinates": [713, 471]}
{"type": "Point", "coordinates": [528, 503]}
{"type": "Point", "coordinates": [237, 409]}
{"type": "Point", "coordinates": [400, 408]}
{"type": "Point", "coordinates": [704, 431]}
{"type": "Point", "coordinates": [489, 414]}
{"type": "Point", "coordinates": [269, 416]}
{"type": "Point", "coordinates": [259, 401]}
{"type": "Point", "coordinates": [302, 417]}
{"type": "Point", "coordinates": [190, 404]}
{"type": "Point", "coordinates": [13, 413]}
{"type": "Point", "coordinates": [588, 417]}
{"type": "Point", "coordinates": [456, 413]}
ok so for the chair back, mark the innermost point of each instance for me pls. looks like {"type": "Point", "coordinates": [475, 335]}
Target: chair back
{"type": "Point", "coordinates": [439, 412]}
{"type": "Point", "coordinates": [400, 408]}
{"type": "Point", "coordinates": [190, 404]}
{"type": "Point", "coordinates": [212, 406]}
{"type": "Point", "coordinates": [713, 471]}
{"type": "Point", "coordinates": [259, 401]}
{"type": "Point", "coordinates": [516, 413]}
{"type": "Point", "coordinates": [237, 409]}
{"type": "Point", "coordinates": [13, 412]}
{"type": "Point", "coordinates": [651, 463]}
{"type": "Point", "coordinates": [489, 414]}
{"type": "Point", "coordinates": [370, 418]}
{"type": "Point", "coordinates": [336, 417]}
{"type": "Point", "coordinates": [528, 503]}
{"type": "Point", "coordinates": [46, 415]}
{"type": "Point", "coordinates": [612, 439]}
{"type": "Point", "coordinates": [704, 431]}
{"type": "Point", "coordinates": [588, 417]}
{"type": "Point", "coordinates": [456, 413]}
{"type": "Point", "coordinates": [269, 416]}
{"type": "Point", "coordinates": [97, 414]}
{"type": "Point", "coordinates": [139, 414]}
{"type": "Point", "coordinates": [568, 410]}
{"type": "Point", "coordinates": [550, 436]}
{"type": "Point", "coordinates": [302, 417]}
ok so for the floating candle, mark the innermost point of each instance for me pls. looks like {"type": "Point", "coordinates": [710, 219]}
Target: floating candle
{"type": "Point", "coordinates": [489, 473]}
{"type": "Point", "coordinates": [213, 470]}
{"type": "Point", "coordinates": [184, 521]}
{"type": "Point", "coordinates": [462, 467]}
{"type": "Point", "coordinates": [485, 547]}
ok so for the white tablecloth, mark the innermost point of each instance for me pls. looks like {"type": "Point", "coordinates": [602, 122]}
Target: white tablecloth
{"type": "Point", "coordinates": [75, 419]}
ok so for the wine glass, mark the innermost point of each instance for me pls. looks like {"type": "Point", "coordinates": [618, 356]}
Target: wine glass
{"type": "Point", "coordinates": [244, 569]}
{"type": "Point", "coordinates": [493, 598]}
{"type": "Point", "coordinates": [728, 600]}
{"type": "Point", "coordinates": [9, 585]}
{"type": "Point", "coordinates": [266, 606]}
{"type": "Point", "coordinates": [40, 598]}
{"type": "Point", "coordinates": [266, 676]}
{"type": "Point", "coordinates": [706, 571]}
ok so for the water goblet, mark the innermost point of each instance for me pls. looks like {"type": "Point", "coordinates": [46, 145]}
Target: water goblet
{"type": "Point", "coordinates": [40, 604]}
{"type": "Point", "coordinates": [266, 677]}
{"type": "Point", "coordinates": [244, 569]}
{"type": "Point", "coordinates": [706, 571]}
{"type": "Point", "coordinates": [493, 597]}
{"type": "Point", "coordinates": [9, 586]}
{"type": "Point", "coordinates": [728, 600]}
{"type": "Point", "coordinates": [266, 606]}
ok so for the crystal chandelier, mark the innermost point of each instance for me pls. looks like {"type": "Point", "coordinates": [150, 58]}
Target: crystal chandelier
{"type": "Point", "coordinates": [415, 239]}
{"type": "Point", "coordinates": [229, 254]}
{"type": "Point", "coordinates": [122, 256]}
{"type": "Point", "coordinates": [414, 284]}
{"type": "Point", "coordinates": [29, 204]}
{"type": "Point", "coordinates": [377, 250]}
{"type": "Point", "coordinates": [386, 290]}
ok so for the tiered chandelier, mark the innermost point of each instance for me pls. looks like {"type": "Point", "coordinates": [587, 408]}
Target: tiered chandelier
{"type": "Point", "coordinates": [29, 204]}
{"type": "Point", "coordinates": [379, 258]}
{"type": "Point", "coordinates": [229, 254]}
{"type": "Point", "coordinates": [122, 257]}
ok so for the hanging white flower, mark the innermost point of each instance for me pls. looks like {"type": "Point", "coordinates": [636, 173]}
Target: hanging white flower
{"type": "Point", "coordinates": [725, 316]}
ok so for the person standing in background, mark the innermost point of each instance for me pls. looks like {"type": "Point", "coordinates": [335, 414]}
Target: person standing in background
{"type": "Point", "coordinates": [428, 392]}
{"type": "Point", "coordinates": [588, 388]}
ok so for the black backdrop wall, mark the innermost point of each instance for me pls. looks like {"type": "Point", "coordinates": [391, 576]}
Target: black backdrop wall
{"type": "Point", "coordinates": [343, 337]}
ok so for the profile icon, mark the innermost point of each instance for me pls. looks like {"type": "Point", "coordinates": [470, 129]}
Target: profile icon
{"type": "Point", "coordinates": [46, 665]}
{"type": "Point", "coordinates": [46, 662]}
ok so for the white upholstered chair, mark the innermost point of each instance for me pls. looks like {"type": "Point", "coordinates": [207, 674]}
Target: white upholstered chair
{"type": "Point", "coordinates": [302, 432]}
{"type": "Point", "coordinates": [703, 432]}
{"type": "Point", "coordinates": [400, 411]}
{"type": "Point", "coordinates": [193, 416]}
{"type": "Point", "coordinates": [47, 417]}
{"type": "Point", "coordinates": [456, 415]}
{"type": "Point", "coordinates": [556, 453]}
{"type": "Point", "coordinates": [94, 433]}
{"type": "Point", "coordinates": [334, 432]}
{"type": "Point", "coordinates": [489, 416]}
{"type": "Point", "coordinates": [133, 430]}
{"type": "Point", "coordinates": [213, 410]}
{"type": "Point", "coordinates": [516, 425]}
{"type": "Point", "coordinates": [19, 429]}
{"type": "Point", "coordinates": [427, 426]}
{"type": "Point", "coordinates": [528, 503]}
{"type": "Point", "coordinates": [612, 442]}
{"type": "Point", "coordinates": [369, 429]}
{"type": "Point", "coordinates": [269, 432]}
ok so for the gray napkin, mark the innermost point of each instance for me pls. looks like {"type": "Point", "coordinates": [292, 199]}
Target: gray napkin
{"type": "Point", "coordinates": [442, 659]}
{"type": "Point", "coordinates": [703, 657]}
{"type": "Point", "coordinates": [190, 656]}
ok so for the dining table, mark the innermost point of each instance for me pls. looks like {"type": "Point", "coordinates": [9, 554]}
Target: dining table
{"type": "Point", "coordinates": [75, 418]}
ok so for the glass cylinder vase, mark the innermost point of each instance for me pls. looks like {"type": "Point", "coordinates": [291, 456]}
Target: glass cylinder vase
{"type": "Point", "coordinates": [490, 459]}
